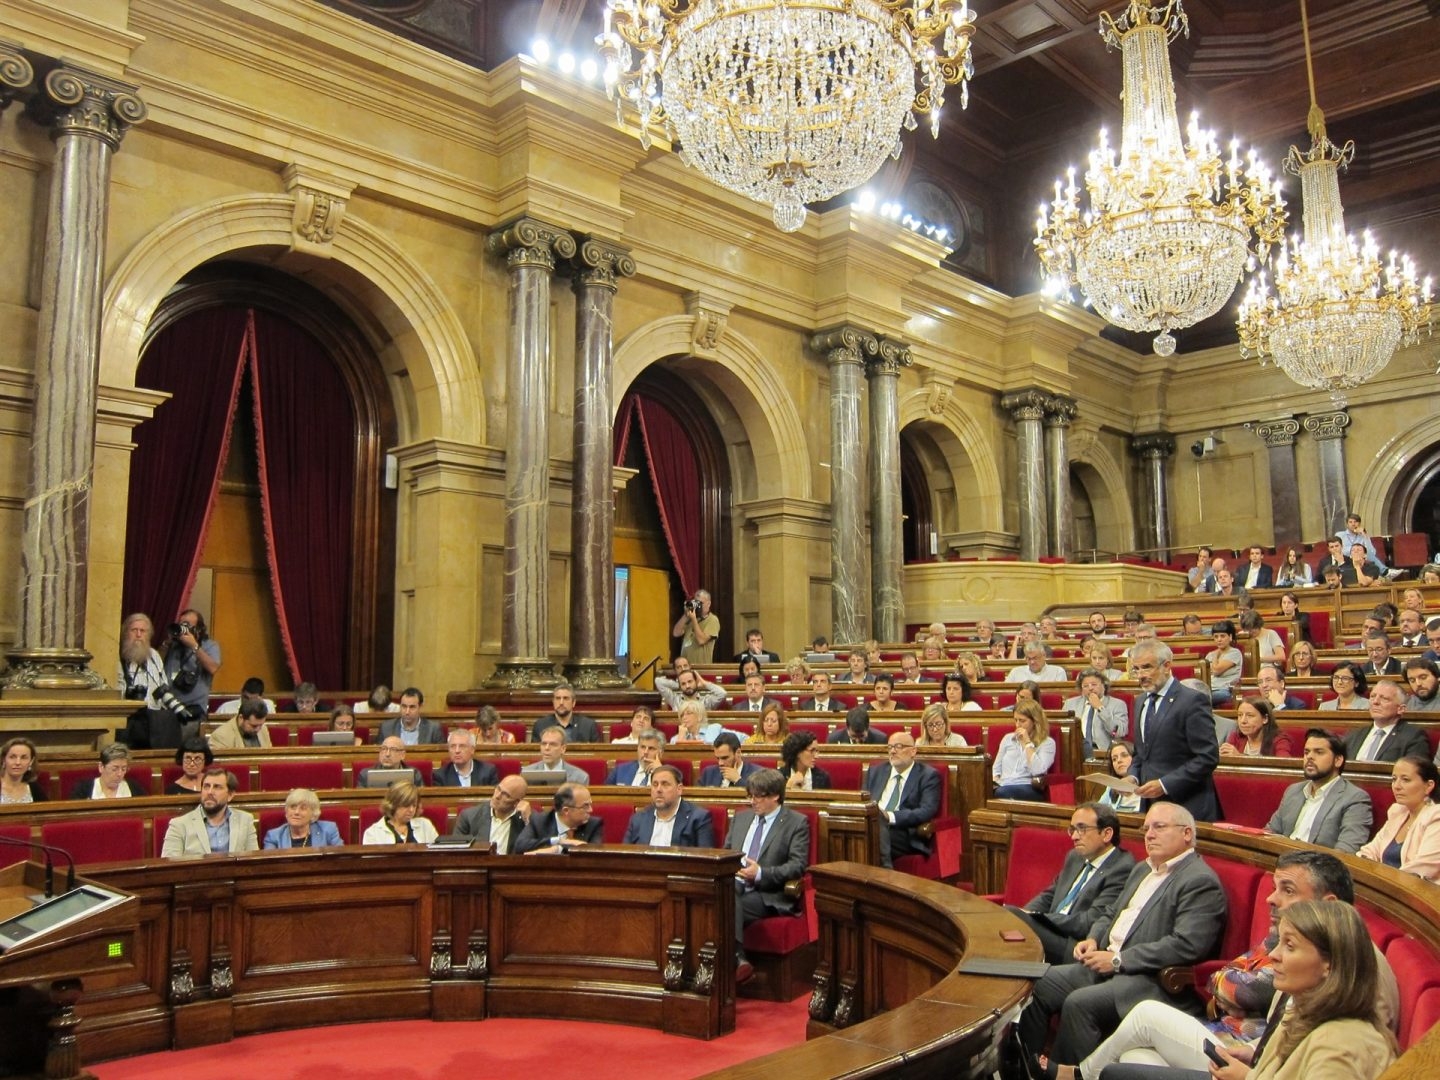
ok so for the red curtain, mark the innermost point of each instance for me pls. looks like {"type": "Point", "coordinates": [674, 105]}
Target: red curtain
{"type": "Point", "coordinates": [675, 476]}
{"type": "Point", "coordinates": [305, 428]}
{"type": "Point", "coordinates": [175, 469]}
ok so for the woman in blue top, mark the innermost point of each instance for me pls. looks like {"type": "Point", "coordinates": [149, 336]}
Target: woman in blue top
{"type": "Point", "coordinates": [1024, 756]}
{"type": "Point", "coordinates": [303, 827]}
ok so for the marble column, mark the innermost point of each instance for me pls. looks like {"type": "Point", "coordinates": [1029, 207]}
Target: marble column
{"type": "Point", "coordinates": [591, 663]}
{"type": "Point", "coordinates": [887, 544]}
{"type": "Point", "coordinates": [846, 348]}
{"type": "Point", "coordinates": [1154, 451]}
{"type": "Point", "coordinates": [1059, 411]}
{"type": "Point", "coordinates": [1027, 408]}
{"type": "Point", "coordinates": [530, 248]}
{"type": "Point", "coordinates": [1279, 436]}
{"type": "Point", "coordinates": [88, 115]}
{"type": "Point", "coordinates": [1328, 430]}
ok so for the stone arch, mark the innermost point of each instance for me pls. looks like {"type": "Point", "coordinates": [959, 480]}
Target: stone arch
{"type": "Point", "coordinates": [983, 486]}
{"type": "Point", "coordinates": [1388, 480]}
{"type": "Point", "coordinates": [391, 298]}
{"type": "Point", "coordinates": [741, 389]}
{"type": "Point", "coordinates": [1109, 493]}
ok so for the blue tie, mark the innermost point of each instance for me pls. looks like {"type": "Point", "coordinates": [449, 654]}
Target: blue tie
{"type": "Point", "coordinates": [1064, 908]}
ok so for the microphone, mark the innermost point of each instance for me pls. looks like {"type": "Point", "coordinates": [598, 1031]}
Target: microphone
{"type": "Point", "coordinates": [49, 850]}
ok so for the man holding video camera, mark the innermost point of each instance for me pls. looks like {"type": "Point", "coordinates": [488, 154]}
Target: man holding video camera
{"type": "Point", "coordinates": [698, 629]}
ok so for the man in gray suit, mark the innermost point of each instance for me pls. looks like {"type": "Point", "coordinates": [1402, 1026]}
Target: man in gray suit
{"type": "Point", "coordinates": [1089, 882]}
{"type": "Point", "coordinates": [500, 820]}
{"type": "Point", "coordinates": [1175, 748]}
{"type": "Point", "coordinates": [1324, 809]}
{"type": "Point", "coordinates": [212, 828]}
{"type": "Point", "coordinates": [412, 728]}
{"type": "Point", "coordinates": [552, 758]}
{"type": "Point", "coordinates": [1171, 911]}
{"type": "Point", "coordinates": [776, 843]}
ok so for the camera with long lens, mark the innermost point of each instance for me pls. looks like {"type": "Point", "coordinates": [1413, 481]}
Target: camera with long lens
{"type": "Point", "coordinates": [165, 698]}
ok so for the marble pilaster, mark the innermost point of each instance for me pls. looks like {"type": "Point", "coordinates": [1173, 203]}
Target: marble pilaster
{"type": "Point", "coordinates": [1154, 451]}
{"type": "Point", "coordinates": [1027, 408]}
{"type": "Point", "coordinates": [887, 544]}
{"type": "Point", "coordinates": [530, 248]}
{"type": "Point", "coordinates": [1328, 430]}
{"type": "Point", "coordinates": [88, 115]}
{"type": "Point", "coordinates": [845, 349]}
{"type": "Point", "coordinates": [1279, 436]}
{"type": "Point", "coordinates": [591, 663]}
{"type": "Point", "coordinates": [1059, 412]}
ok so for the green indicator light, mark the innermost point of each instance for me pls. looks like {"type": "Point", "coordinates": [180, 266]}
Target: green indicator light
{"type": "Point", "coordinates": [114, 950]}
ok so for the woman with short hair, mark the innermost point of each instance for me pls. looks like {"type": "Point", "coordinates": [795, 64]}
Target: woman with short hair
{"type": "Point", "coordinates": [303, 828]}
{"type": "Point", "coordinates": [112, 782]}
{"type": "Point", "coordinates": [797, 763]}
{"type": "Point", "coordinates": [194, 757]}
{"type": "Point", "coordinates": [400, 819]}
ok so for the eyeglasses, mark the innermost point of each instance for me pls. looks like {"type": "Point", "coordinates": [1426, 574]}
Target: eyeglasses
{"type": "Point", "coordinates": [1342, 678]}
{"type": "Point", "coordinates": [895, 748]}
{"type": "Point", "coordinates": [1081, 830]}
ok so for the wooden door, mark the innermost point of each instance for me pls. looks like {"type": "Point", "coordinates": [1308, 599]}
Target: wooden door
{"type": "Point", "coordinates": [650, 621]}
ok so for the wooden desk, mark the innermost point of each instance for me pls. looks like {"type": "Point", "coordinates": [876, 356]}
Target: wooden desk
{"type": "Point", "coordinates": [235, 945]}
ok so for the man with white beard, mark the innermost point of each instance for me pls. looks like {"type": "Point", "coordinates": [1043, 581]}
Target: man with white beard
{"type": "Point", "coordinates": [155, 723]}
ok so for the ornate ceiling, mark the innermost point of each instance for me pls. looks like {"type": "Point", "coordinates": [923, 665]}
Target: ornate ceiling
{"type": "Point", "coordinates": [1045, 82]}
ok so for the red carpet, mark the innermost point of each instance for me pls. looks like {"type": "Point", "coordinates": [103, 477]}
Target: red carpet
{"type": "Point", "coordinates": [422, 1050]}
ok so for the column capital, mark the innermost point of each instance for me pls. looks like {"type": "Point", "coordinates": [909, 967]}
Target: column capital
{"type": "Point", "coordinates": [1278, 432]}
{"type": "Point", "coordinates": [1060, 410]}
{"type": "Point", "coordinates": [75, 101]}
{"type": "Point", "coordinates": [845, 344]}
{"type": "Point", "coordinates": [601, 263]}
{"type": "Point", "coordinates": [1156, 444]}
{"type": "Point", "coordinates": [1326, 426]}
{"type": "Point", "coordinates": [16, 73]}
{"type": "Point", "coordinates": [1026, 404]}
{"type": "Point", "coordinates": [890, 357]}
{"type": "Point", "coordinates": [528, 242]}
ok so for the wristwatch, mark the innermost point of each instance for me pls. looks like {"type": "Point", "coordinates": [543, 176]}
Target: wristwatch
{"type": "Point", "coordinates": [1115, 962]}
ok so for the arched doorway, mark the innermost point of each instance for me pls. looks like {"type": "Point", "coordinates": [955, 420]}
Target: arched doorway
{"type": "Point", "coordinates": [682, 487]}
{"type": "Point", "coordinates": [1415, 502]}
{"type": "Point", "coordinates": [329, 395]}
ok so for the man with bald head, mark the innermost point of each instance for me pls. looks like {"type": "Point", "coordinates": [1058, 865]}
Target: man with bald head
{"type": "Point", "coordinates": [500, 820]}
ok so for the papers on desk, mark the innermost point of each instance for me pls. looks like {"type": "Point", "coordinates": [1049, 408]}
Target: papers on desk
{"type": "Point", "coordinates": [1126, 785]}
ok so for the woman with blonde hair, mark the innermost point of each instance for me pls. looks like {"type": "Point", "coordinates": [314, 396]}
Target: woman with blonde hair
{"type": "Point", "coordinates": [1024, 756]}
{"type": "Point", "coordinates": [488, 729]}
{"type": "Point", "coordinates": [798, 671]}
{"type": "Point", "coordinates": [400, 819]}
{"type": "Point", "coordinates": [935, 727]}
{"type": "Point", "coordinates": [970, 666]}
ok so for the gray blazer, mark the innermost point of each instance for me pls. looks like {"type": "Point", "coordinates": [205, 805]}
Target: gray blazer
{"type": "Point", "coordinates": [186, 834]}
{"type": "Point", "coordinates": [1112, 721]}
{"type": "Point", "coordinates": [474, 822]}
{"type": "Point", "coordinates": [1099, 894]}
{"type": "Point", "coordinates": [784, 853]}
{"type": "Point", "coordinates": [431, 733]}
{"type": "Point", "coordinates": [1343, 822]}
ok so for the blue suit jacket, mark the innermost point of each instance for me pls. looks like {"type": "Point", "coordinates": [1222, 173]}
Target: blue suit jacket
{"type": "Point", "coordinates": [1179, 749]}
{"type": "Point", "coordinates": [710, 775]}
{"type": "Point", "coordinates": [919, 798]}
{"type": "Point", "coordinates": [322, 834]}
{"type": "Point", "coordinates": [693, 827]}
{"type": "Point", "coordinates": [623, 774]}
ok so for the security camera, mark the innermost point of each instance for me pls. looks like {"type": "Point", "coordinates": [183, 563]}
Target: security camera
{"type": "Point", "coordinates": [1197, 448]}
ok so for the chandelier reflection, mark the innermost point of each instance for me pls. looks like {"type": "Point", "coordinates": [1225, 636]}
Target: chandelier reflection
{"type": "Point", "coordinates": [785, 101]}
{"type": "Point", "coordinates": [1170, 227]}
{"type": "Point", "coordinates": [1336, 314]}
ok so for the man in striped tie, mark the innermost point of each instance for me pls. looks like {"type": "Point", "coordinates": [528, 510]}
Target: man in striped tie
{"type": "Point", "coordinates": [1090, 879]}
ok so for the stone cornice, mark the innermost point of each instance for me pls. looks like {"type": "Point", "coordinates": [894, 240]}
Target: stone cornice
{"type": "Point", "coordinates": [72, 30]}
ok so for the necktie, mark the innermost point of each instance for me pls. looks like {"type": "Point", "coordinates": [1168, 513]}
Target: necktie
{"type": "Point", "coordinates": [1090, 726]}
{"type": "Point", "coordinates": [1152, 702]}
{"type": "Point", "coordinates": [1064, 908]}
{"type": "Point", "coordinates": [896, 783]}
{"type": "Point", "coordinates": [1372, 744]}
{"type": "Point", "coordinates": [753, 852]}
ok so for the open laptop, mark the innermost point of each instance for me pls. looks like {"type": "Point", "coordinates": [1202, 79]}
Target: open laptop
{"type": "Point", "coordinates": [543, 777]}
{"type": "Point", "coordinates": [333, 738]}
{"type": "Point", "coordinates": [385, 777]}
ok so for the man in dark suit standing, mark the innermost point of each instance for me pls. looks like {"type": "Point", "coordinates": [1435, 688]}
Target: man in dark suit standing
{"type": "Point", "coordinates": [500, 821]}
{"type": "Point", "coordinates": [1175, 747]}
{"type": "Point", "coordinates": [908, 794]}
{"type": "Point", "coordinates": [1088, 884]}
{"type": "Point", "coordinates": [1389, 738]}
{"type": "Point", "coordinates": [462, 770]}
{"type": "Point", "coordinates": [730, 768]}
{"type": "Point", "coordinates": [775, 841]}
{"type": "Point", "coordinates": [568, 825]}
{"type": "Point", "coordinates": [670, 820]}
{"type": "Point", "coordinates": [1171, 911]}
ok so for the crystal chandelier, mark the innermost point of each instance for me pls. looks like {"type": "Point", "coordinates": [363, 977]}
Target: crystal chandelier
{"type": "Point", "coordinates": [785, 101]}
{"type": "Point", "coordinates": [1170, 227]}
{"type": "Point", "coordinates": [1336, 315]}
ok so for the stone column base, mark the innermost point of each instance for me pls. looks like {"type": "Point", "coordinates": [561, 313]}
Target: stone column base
{"type": "Point", "coordinates": [47, 671]}
{"type": "Point", "coordinates": [519, 672]}
{"type": "Point", "coordinates": [594, 673]}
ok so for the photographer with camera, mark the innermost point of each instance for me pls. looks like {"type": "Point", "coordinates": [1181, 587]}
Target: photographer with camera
{"type": "Point", "coordinates": [191, 659]}
{"type": "Point", "coordinates": [162, 720]}
{"type": "Point", "coordinates": [698, 629]}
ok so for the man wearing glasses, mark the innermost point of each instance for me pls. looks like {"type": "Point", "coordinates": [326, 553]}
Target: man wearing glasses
{"type": "Point", "coordinates": [908, 794]}
{"type": "Point", "coordinates": [1171, 911]}
{"type": "Point", "coordinates": [569, 825]}
{"type": "Point", "coordinates": [775, 841]}
{"type": "Point", "coordinates": [1175, 747]}
{"type": "Point", "coordinates": [1089, 882]}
